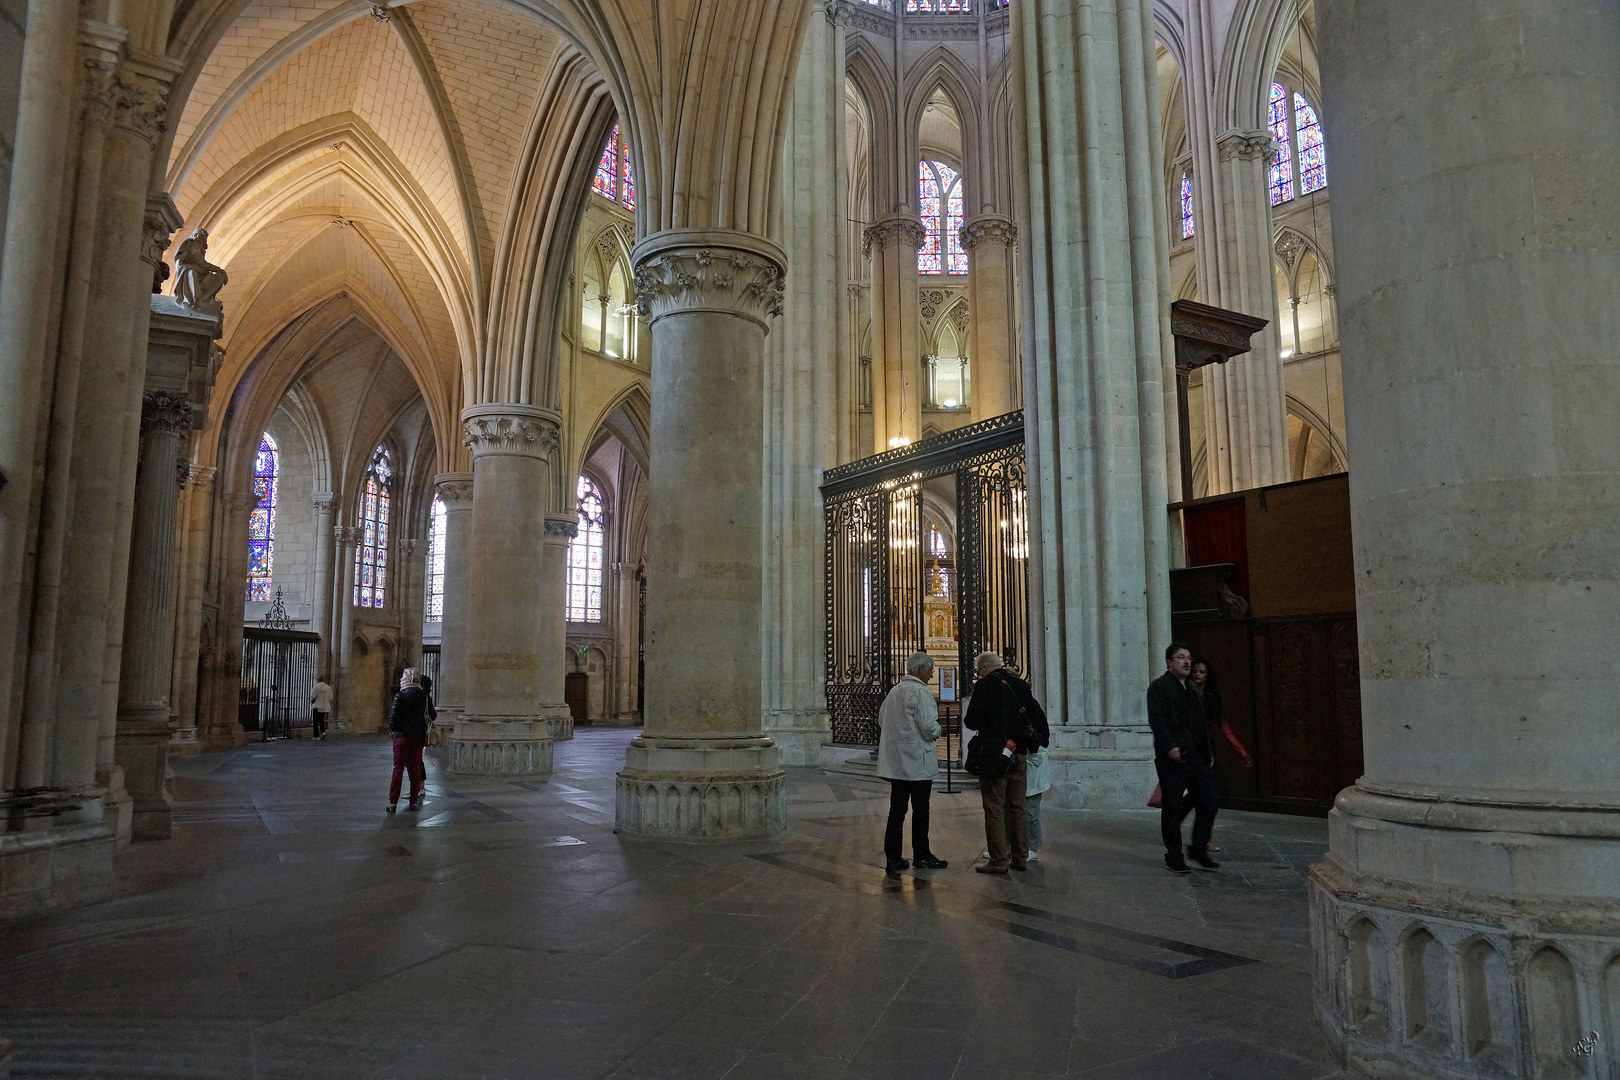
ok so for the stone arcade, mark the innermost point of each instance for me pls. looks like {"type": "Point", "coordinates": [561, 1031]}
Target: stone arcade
{"type": "Point", "coordinates": [509, 340]}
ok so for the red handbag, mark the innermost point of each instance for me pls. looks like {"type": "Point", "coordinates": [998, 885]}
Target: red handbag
{"type": "Point", "coordinates": [1156, 799]}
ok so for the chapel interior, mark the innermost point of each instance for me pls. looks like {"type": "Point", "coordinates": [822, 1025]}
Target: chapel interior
{"type": "Point", "coordinates": [656, 376]}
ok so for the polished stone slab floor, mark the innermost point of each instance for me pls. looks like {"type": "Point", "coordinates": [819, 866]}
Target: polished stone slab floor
{"type": "Point", "coordinates": [291, 929]}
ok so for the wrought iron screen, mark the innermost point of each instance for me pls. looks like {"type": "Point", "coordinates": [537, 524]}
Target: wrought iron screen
{"type": "Point", "coordinates": [430, 666]}
{"type": "Point", "coordinates": [877, 565]}
{"type": "Point", "coordinates": [278, 670]}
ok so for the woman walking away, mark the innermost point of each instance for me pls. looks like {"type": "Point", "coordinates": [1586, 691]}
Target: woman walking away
{"type": "Point", "coordinates": [1208, 685]}
{"type": "Point", "coordinates": [408, 720]}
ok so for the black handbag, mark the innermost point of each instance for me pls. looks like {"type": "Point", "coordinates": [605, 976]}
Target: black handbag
{"type": "Point", "coordinates": [985, 759]}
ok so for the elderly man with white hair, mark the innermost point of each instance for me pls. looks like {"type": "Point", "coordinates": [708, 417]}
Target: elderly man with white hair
{"type": "Point", "coordinates": [1004, 712]}
{"type": "Point", "coordinates": [908, 725]}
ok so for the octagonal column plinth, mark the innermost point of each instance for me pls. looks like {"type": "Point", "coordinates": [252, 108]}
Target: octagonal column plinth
{"type": "Point", "coordinates": [506, 729]}
{"type": "Point", "coordinates": [704, 769]}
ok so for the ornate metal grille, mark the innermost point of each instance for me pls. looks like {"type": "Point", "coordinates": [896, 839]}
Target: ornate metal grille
{"type": "Point", "coordinates": [278, 670]}
{"type": "Point", "coordinates": [876, 563]}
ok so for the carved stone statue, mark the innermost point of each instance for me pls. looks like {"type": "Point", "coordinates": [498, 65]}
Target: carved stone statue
{"type": "Point", "coordinates": [196, 280]}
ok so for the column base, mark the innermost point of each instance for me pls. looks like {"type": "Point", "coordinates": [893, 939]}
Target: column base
{"type": "Point", "coordinates": [1102, 768]}
{"type": "Point", "coordinates": [727, 788]}
{"type": "Point", "coordinates": [58, 852]}
{"type": "Point", "coordinates": [799, 736]}
{"type": "Point", "coordinates": [562, 721]}
{"type": "Point", "coordinates": [1463, 954]}
{"type": "Point", "coordinates": [142, 751]}
{"type": "Point", "coordinates": [500, 747]}
{"type": "Point", "coordinates": [184, 743]}
{"type": "Point", "coordinates": [117, 808]}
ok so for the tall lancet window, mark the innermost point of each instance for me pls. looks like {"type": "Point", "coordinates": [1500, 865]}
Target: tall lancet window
{"type": "Point", "coordinates": [1309, 146]}
{"type": "Point", "coordinates": [1301, 165]}
{"type": "Point", "coordinates": [1282, 170]}
{"type": "Point", "coordinates": [262, 521]}
{"type": "Point", "coordinates": [939, 204]}
{"type": "Point", "coordinates": [614, 178]}
{"type": "Point", "coordinates": [1186, 206]}
{"type": "Point", "coordinates": [585, 556]}
{"type": "Point", "coordinates": [434, 608]}
{"type": "Point", "coordinates": [371, 556]}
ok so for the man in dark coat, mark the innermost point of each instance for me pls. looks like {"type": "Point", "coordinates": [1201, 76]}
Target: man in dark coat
{"type": "Point", "coordinates": [1003, 709]}
{"type": "Point", "coordinates": [1184, 759]}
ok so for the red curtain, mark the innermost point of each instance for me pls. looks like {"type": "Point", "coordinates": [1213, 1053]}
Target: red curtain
{"type": "Point", "coordinates": [1216, 533]}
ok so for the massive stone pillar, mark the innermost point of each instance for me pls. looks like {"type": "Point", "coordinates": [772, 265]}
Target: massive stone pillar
{"type": "Point", "coordinates": [456, 490]}
{"type": "Point", "coordinates": [1245, 400]}
{"type": "Point", "coordinates": [704, 769]}
{"type": "Point", "coordinates": [989, 240]}
{"type": "Point", "coordinates": [46, 92]}
{"type": "Point", "coordinates": [800, 395]}
{"type": "Point", "coordinates": [1098, 381]}
{"type": "Point", "coordinates": [626, 643]}
{"type": "Point", "coordinates": [1466, 921]}
{"type": "Point", "coordinates": [560, 529]}
{"type": "Point", "coordinates": [891, 243]}
{"type": "Point", "coordinates": [507, 726]}
{"type": "Point", "coordinates": [320, 604]}
{"type": "Point", "coordinates": [143, 700]}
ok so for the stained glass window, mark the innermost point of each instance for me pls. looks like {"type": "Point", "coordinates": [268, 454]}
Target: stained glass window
{"type": "Point", "coordinates": [262, 521]}
{"type": "Point", "coordinates": [585, 556]}
{"type": "Point", "coordinates": [614, 178]}
{"type": "Point", "coordinates": [941, 7]}
{"type": "Point", "coordinates": [607, 169]}
{"type": "Point", "coordinates": [939, 204]}
{"type": "Point", "coordinates": [371, 555]}
{"type": "Point", "coordinates": [1312, 153]}
{"type": "Point", "coordinates": [434, 609]}
{"type": "Point", "coordinates": [1186, 206]}
{"type": "Point", "coordinates": [1282, 170]}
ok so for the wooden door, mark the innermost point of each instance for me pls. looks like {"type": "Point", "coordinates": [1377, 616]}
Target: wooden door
{"type": "Point", "coordinates": [577, 692]}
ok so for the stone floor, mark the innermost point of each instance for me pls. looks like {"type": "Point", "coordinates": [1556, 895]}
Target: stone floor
{"type": "Point", "coordinates": [291, 929]}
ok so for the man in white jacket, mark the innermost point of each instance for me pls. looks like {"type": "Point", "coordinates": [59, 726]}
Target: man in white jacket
{"type": "Point", "coordinates": [908, 729]}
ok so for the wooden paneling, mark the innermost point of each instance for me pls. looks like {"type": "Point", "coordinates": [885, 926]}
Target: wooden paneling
{"type": "Point", "coordinates": [1299, 548]}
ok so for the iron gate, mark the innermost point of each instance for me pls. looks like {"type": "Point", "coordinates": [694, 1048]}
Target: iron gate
{"type": "Point", "coordinates": [278, 671]}
{"type": "Point", "coordinates": [878, 565]}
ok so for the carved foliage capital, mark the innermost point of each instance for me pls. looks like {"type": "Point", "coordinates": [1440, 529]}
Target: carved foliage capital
{"type": "Point", "coordinates": [455, 490]}
{"type": "Point", "coordinates": [559, 526]}
{"type": "Point", "coordinates": [164, 413]}
{"type": "Point", "coordinates": [142, 107]}
{"type": "Point", "coordinates": [100, 88]}
{"type": "Point", "coordinates": [1247, 145]}
{"type": "Point", "coordinates": [989, 230]}
{"type": "Point", "coordinates": [893, 230]}
{"type": "Point", "coordinates": [708, 278]}
{"type": "Point", "coordinates": [511, 434]}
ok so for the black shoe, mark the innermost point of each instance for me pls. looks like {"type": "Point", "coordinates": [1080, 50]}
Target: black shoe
{"type": "Point", "coordinates": [1202, 859]}
{"type": "Point", "coordinates": [896, 865]}
{"type": "Point", "coordinates": [928, 862]}
{"type": "Point", "coordinates": [1020, 866]}
{"type": "Point", "coordinates": [1176, 864]}
{"type": "Point", "coordinates": [987, 868]}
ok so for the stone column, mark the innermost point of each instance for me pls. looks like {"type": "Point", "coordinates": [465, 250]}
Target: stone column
{"type": "Point", "coordinates": [105, 441]}
{"type": "Point", "coordinates": [144, 676]}
{"type": "Point", "coordinates": [197, 509]}
{"type": "Point", "coordinates": [560, 529]}
{"type": "Point", "coordinates": [1098, 379]}
{"type": "Point", "coordinates": [28, 281]}
{"type": "Point", "coordinates": [989, 240]}
{"type": "Point", "coordinates": [891, 243]}
{"type": "Point", "coordinates": [1466, 920]}
{"type": "Point", "coordinates": [507, 726]}
{"type": "Point", "coordinates": [704, 769]}
{"type": "Point", "coordinates": [345, 537]}
{"type": "Point", "coordinates": [320, 604]}
{"type": "Point", "coordinates": [456, 489]}
{"type": "Point", "coordinates": [800, 395]}
{"type": "Point", "coordinates": [626, 642]}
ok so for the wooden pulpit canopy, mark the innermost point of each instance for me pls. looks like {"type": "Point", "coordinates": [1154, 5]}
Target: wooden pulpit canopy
{"type": "Point", "coordinates": [1204, 335]}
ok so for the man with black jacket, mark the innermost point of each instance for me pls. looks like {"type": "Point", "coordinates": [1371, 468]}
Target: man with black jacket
{"type": "Point", "coordinates": [1003, 709]}
{"type": "Point", "coordinates": [1184, 760]}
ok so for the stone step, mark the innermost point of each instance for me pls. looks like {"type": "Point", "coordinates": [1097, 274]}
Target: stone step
{"type": "Point", "coordinates": [862, 765]}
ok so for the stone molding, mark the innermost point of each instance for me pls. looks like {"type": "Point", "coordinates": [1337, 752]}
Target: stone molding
{"type": "Point", "coordinates": [500, 747]}
{"type": "Point", "coordinates": [719, 270]}
{"type": "Point", "coordinates": [141, 107]}
{"type": "Point", "coordinates": [100, 83]}
{"type": "Point", "coordinates": [200, 476]}
{"type": "Point", "coordinates": [896, 229]}
{"type": "Point", "coordinates": [990, 228]}
{"type": "Point", "coordinates": [159, 225]}
{"type": "Point", "coordinates": [323, 502]}
{"type": "Point", "coordinates": [165, 413]}
{"type": "Point", "coordinates": [740, 807]}
{"type": "Point", "coordinates": [454, 489]}
{"type": "Point", "coordinates": [836, 12]}
{"type": "Point", "coordinates": [511, 431]}
{"type": "Point", "coordinates": [1247, 145]}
